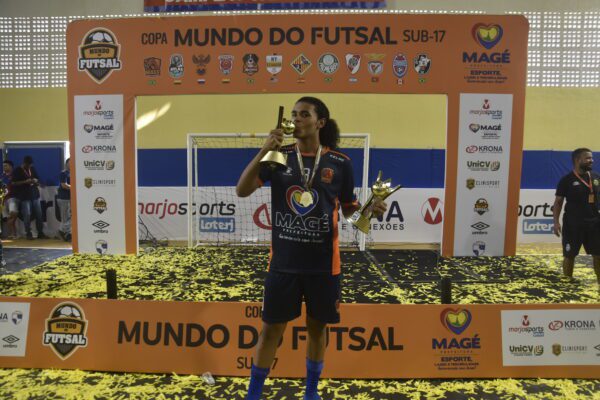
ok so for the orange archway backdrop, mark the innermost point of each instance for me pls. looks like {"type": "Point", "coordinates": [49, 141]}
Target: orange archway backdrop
{"type": "Point", "coordinates": [479, 62]}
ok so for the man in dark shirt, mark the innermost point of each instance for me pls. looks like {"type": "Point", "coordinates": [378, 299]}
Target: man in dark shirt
{"type": "Point", "coordinates": [25, 183]}
{"type": "Point", "coordinates": [581, 221]}
{"type": "Point", "coordinates": [305, 259]}
{"type": "Point", "coordinates": [64, 202]}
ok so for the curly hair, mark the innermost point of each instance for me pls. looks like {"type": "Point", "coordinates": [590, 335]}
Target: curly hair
{"type": "Point", "coordinates": [329, 134]}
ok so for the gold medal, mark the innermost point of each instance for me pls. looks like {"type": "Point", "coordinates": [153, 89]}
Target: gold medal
{"type": "Point", "coordinates": [591, 198]}
{"type": "Point", "coordinates": [306, 199]}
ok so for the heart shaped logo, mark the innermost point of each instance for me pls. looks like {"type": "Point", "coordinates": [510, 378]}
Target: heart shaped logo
{"type": "Point", "coordinates": [487, 35]}
{"type": "Point", "coordinates": [474, 127]}
{"type": "Point", "coordinates": [456, 320]}
{"type": "Point", "coordinates": [293, 195]}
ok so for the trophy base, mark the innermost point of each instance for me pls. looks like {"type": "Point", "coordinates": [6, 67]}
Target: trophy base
{"type": "Point", "coordinates": [361, 222]}
{"type": "Point", "coordinates": [275, 160]}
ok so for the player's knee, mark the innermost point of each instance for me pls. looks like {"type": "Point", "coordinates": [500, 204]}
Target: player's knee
{"type": "Point", "coordinates": [272, 332]}
{"type": "Point", "coordinates": [315, 328]}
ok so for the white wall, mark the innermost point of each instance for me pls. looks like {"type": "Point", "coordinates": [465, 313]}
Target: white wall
{"type": "Point", "coordinates": [39, 8]}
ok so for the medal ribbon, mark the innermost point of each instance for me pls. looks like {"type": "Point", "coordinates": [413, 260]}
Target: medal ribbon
{"type": "Point", "coordinates": [307, 182]}
{"type": "Point", "coordinates": [584, 182]}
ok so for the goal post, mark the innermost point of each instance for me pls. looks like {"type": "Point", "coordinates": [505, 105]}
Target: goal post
{"type": "Point", "coordinates": [216, 216]}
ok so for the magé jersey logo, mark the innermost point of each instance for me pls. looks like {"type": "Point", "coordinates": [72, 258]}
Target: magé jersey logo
{"type": "Point", "coordinates": [99, 54]}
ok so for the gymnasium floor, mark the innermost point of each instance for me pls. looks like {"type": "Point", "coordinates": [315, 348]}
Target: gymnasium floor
{"type": "Point", "coordinates": [236, 274]}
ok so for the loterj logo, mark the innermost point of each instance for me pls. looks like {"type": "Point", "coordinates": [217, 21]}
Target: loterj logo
{"type": "Point", "coordinates": [66, 330]}
{"type": "Point", "coordinates": [534, 226]}
{"type": "Point", "coordinates": [217, 224]}
{"type": "Point", "coordinates": [99, 54]}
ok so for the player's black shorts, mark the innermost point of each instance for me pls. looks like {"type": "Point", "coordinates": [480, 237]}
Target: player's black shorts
{"type": "Point", "coordinates": [284, 293]}
{"type": "Point", "coordinates": [575, 234]}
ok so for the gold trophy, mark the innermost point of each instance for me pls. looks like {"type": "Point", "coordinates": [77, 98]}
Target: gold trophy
{"type": "Point", "coordinates": [379, 190]}
{"type": "Point", "coordinates": [275, 158]}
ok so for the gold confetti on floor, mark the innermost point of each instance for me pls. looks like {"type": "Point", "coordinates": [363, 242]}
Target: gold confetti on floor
{"type": "Point", "coordinates": [236, 274]}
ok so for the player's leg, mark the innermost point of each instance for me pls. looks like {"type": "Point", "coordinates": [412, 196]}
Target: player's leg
{"type": "Point", "coordinates": [591, 244]}
{"type": "Point", "coordinates": [282, 303]}
{"type": "Point", "coordinates": [572, 239]}
{"type": "Point", "coordinates": [322, 294]}
{"type": "Point", "coordinates": [597, 267]}
{"type": "Point", "coordinates": [13, 214]}
{"type": "Point", "coordinates": [26, 213]}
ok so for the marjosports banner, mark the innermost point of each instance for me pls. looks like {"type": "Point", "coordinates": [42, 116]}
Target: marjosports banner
{"type": "Point", "coordinates": [394, 341]}
{"type": "Point", "coordinates": [413, 215]}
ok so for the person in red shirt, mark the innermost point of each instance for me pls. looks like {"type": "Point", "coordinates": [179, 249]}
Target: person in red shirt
{"type": "Point", "coordinates": [305, 257]}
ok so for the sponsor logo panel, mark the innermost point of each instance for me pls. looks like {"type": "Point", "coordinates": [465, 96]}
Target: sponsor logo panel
{"type": "Point", "coordinates": [460, 349]}
{"type": "Point", "coordinates": [14, 325]}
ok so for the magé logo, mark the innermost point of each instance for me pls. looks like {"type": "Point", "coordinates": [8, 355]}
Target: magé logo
{"type": "Point", "coordinates": [99, 54]}
{"type": "Point", "coordinates": [487, 35]}
{"type": "Point", "coordinates": [66, 330]}
{"type": "Point", "coordinates": [456, 320]}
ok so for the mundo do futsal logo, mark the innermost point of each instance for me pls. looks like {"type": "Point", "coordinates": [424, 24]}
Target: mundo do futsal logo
{"type": "Point", "coordinates": [99, 54]}
{"type": "Point", "coordinates": [66, 330]}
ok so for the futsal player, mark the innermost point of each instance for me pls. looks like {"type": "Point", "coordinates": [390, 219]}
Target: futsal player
{"type": "Point", "coordinates": [305, 257]}
{"type": "Point", "coordinates": [581, 220]}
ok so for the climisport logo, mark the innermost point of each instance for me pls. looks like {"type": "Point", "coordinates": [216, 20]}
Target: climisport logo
{"type": "Point", "coordinates": [456, 320]}
{"type": "Point", "coordinates": [487, 35]}
{"type": "Point", "coordinates": [99, 54]}
{"type": "Point", "coordinates": [66, 330]}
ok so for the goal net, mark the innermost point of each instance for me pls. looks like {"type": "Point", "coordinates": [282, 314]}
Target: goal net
{"type": "Point", "coordinates": [218, 217]}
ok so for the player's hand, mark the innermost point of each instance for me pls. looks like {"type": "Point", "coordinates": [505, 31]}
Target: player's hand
{"type": "Point", "coordinates": [274, 140]}
{"type": "Point", "coordinates": [378, 208]}
{"type": "Point", "coordinates": [557, 229]}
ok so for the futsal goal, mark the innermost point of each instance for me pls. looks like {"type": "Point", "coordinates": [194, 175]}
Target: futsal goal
{"type": "Point", "coordinates": [216, 216]}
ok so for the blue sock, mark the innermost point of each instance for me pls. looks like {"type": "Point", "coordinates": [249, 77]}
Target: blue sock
{"type": "Point", "coordinates": [313, 372]}
{"type": "Point", "coordinates": [257, 380]}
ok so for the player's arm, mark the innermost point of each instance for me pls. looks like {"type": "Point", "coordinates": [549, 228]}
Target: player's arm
{"type": "Point", "coordinates": [556, 209]}
{"type": "Point", "coordinates": [248, 181]}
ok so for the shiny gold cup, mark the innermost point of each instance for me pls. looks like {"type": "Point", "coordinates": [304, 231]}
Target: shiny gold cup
{"type": "Point", "coordinates": [274, 158]}
{"type": "Point", "coordinates": [380, 189]}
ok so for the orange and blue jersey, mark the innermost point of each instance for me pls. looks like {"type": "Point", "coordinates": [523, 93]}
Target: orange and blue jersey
{"type": "Point", "coordinates": [305, 239]}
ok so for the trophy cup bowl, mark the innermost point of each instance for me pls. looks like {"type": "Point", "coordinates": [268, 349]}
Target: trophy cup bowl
{"type": "Point", "coordinates": [274, 158]}
{"type": "Point", "coordinates": [380, 189]}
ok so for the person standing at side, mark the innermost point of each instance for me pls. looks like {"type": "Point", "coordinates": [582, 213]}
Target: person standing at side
{"type": "Point", "coordinates": [581, 220]}
{"type": "Point", "coordinates": [26, 182]}
{"type": "Point", "coordinates": [64, 202]}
